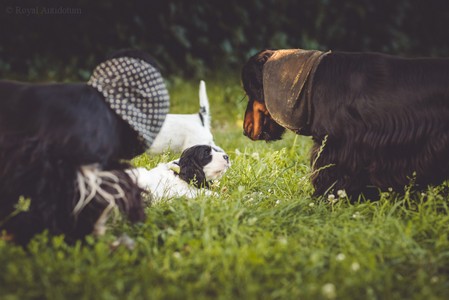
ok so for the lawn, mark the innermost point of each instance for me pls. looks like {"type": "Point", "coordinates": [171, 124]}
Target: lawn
{"type": "Point", "coordinates": [263, 237]}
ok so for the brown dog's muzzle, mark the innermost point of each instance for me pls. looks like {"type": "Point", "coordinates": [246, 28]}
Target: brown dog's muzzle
{"type": "Point", "coordinates": [255, 115]}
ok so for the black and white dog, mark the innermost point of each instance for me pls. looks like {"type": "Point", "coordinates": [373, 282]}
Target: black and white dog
{"type": "Point", "coordinates": [63, 146]}
{"type": "Point", "coordinates": [181, 131]}
{"type": "Point", "coordinates": [188, 177]}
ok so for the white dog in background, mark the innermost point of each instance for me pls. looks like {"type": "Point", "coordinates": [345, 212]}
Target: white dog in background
{"type": "Point", "coordinates": [189, 176]}
{"type": "Point", "coordinates": [181, 131]}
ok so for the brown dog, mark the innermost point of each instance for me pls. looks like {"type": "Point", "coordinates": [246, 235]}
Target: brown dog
{"type": "Point", "coordinates": [383, 119]}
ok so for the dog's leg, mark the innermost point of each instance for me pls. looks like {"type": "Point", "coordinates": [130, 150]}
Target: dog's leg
{"type": "Point", "coordinates": [330, 175]}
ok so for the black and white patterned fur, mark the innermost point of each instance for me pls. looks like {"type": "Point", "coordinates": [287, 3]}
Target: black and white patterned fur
{"type": "Point", "coordinates": [189, 176]}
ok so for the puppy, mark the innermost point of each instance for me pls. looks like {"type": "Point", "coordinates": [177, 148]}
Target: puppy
{"type": "Point", "coordinates": [377, 121]}
{"type": "Point", "coordinates": [181, 131]}
{"type": "Point", "coordinates": [188, 177]}
{"type": "Point", "coordinates": [63, 146]}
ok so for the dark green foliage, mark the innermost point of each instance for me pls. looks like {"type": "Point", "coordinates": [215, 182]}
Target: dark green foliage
{"type": "Point", "coordinates": [201, 37]}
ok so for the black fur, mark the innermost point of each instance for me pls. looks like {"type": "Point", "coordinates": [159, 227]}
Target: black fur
{"type": "Point", "coordinates": [47, 132]}
{"type": "Point", "coordinates": [191, 165]}
{"type": "Point", "coordinates": [386, 120]}
{"type": "Point", "coordinates": [252, 79]}
{"type": "Point", "coordinates": [252, 75]}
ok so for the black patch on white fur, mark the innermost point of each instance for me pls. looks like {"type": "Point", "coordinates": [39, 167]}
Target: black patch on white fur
{"type": "Point", "coordinates": [201, 117]}
{"type": "Point", "coordinates": [192, 162]}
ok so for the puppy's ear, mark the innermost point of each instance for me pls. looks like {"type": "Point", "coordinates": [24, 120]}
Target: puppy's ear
{"type": "Point", "coordinates": [192, 172]}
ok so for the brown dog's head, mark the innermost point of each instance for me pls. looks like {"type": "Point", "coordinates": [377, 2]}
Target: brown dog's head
{"type": "Point", "coordinates": [258, 123]}
{"type": "Point", "coordinates": [279, 85]}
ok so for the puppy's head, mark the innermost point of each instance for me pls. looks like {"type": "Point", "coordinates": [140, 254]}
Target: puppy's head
{"type": "Point", "coordinates": [201, 164]}
{"type": "Point", "coordinates": [258, 123]}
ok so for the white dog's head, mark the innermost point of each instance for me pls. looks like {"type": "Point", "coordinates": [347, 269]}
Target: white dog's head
{"type": "Point", "coordinates": [201, 164]}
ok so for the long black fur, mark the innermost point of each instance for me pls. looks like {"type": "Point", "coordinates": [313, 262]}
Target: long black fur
{"type": "Point", "coordinates": [386, 120]}
{"type": "Point", "coordinates": [191, 165]}
{"type": "Point", "coordinates": [47, 132]}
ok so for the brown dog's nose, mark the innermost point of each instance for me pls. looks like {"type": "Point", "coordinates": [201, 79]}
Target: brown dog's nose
{"type": "Point", "coordinates": [248, 129]}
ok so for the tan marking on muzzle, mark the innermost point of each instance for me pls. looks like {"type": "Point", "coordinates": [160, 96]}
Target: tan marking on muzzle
{"type": "Point", "coordinates": [255, 115]}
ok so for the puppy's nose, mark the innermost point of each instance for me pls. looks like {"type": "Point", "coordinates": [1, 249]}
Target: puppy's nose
{"type": "Point", "coordinates": [226, 157]}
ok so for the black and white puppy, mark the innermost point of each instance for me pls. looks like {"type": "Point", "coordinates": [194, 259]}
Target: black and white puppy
{"type": "Point", "coordinates": [188, 177]}
{"type": "Point", "coordinates": [62, 145]}
{"type": "Point", "coordinates": [181, 131]}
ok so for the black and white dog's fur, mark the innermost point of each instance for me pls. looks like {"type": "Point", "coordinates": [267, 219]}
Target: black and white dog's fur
{"type": "Point", "coordinates": [63, 147]}
{"type": "Point", "coordinates": [188, 177]}
{"type": "Point", "coordinates": [181, 131]}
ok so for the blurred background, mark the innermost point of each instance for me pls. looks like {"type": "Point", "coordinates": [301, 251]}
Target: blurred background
{"type": "Point", "coordinates": [63, 40]}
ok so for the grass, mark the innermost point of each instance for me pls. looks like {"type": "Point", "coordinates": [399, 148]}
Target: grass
{"type": "Point", "coordinates": [264, 237]}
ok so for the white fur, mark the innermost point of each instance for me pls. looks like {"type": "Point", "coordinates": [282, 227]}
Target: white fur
{"type": "Point", "coordinates": [217, 167]}
{"type": "Point", "coordinates": [163, 183]}
{"type": "Point", "coordinates": [181, 131]}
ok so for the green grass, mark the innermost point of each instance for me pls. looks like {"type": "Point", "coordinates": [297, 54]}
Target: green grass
{"type": "Point", "coordinates": [264, 237]}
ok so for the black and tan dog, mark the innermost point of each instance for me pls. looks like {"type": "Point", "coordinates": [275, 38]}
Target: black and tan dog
{"type": "Point", "coordinates": [63, 145]}
{"type": "Point", "coordinates": [383, 119]}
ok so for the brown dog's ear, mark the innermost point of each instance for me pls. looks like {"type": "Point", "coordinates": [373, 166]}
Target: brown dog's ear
{"type": "Point", "coordinates": [285, 75]}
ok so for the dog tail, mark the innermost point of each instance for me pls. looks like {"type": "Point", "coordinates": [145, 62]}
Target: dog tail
{"type": "Point", "coordinates": [204, 105]}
